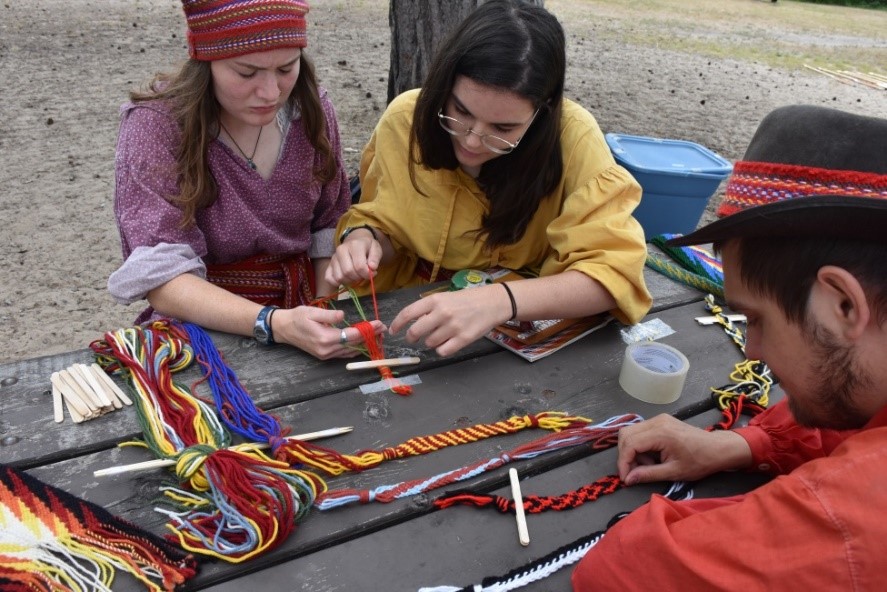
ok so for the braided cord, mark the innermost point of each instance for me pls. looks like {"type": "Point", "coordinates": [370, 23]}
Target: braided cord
{"type": "Point", "coordinates": [556, 560]}
{"type": "Point", "coordinates": [335, 463]}
{"type": "Point", "coordinates": [535, 504]}
{"type": "Point", "coordinates": [599, 436]}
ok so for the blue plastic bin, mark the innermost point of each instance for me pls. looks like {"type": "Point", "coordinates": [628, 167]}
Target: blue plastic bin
{"type": "Point", "coordinates": [678, 179]}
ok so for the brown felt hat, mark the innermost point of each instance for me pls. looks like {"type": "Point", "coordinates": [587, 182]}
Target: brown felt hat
{"type": "Point", "coordinates": [808, 172]}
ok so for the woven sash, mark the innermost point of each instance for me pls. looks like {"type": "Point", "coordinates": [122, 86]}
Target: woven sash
{"type": "Point", "coordinates": [282, 280]}
{"type": "Point", "coordinates": [424, 268]}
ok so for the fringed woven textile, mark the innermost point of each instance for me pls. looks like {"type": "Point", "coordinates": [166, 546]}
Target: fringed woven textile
{"type": "Point", "coordinates": [51, 540]}
{"type": "Point", "coordinates": [282, 280]}
{"type": "Point", "coordinates": [694, 265]}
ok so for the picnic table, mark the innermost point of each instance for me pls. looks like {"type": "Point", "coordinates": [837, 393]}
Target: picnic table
{"type": "Point", "coordinates": [407, 544]}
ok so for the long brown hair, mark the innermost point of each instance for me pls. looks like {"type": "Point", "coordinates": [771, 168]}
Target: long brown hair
{"type": "Point", "coordinates": [196, 110]}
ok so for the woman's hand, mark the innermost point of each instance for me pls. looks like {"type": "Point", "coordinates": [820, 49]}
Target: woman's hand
{"type": "Point", "coordinates": [451, 320]}
{"type": "Point", "coordinates": [310, 329]}
{"type": "Point", "coordinates": [354, 259]}
{"type": "Point", "coordinates": [667, 449]}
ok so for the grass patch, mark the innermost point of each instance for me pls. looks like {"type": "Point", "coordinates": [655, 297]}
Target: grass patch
{"type": "Point", "coordinates": [786, 34]}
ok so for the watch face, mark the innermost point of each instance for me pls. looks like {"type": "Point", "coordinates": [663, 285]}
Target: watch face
{"type": "Point", "coordinates": [262, 330]}
{"type": "Point", "coordinates": [260, 333]}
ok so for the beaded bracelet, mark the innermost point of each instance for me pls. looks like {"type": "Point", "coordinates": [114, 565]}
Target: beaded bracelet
{"type": "Point", "coordinates": [513, 303]}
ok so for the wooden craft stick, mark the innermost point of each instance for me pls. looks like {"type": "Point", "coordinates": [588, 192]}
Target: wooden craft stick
{"type": "Point", "coordinates": [76, 416]}
{"type": "Point", "coordinates": [97, 387]}
{"type": "Point", "coordinates": [87, 387]}
{"type": "Point", "coordinates": [72, 399]}
{"type": "Point", "coordinates": [111, 384]}
{"type": "Point", "coordinates": [85, 390]}
{"type": "Point", "coordinates": [523, 533]}
{"type": "Point", "coordinates": [387, 362]}
{"type": "Point", "coordinates": [165, 462]}
{"type": "Point", "coordinates": [68, 378]}
{"type": "Point", "coordinates": [733, 318]}
{"type": "Point", "coordinates": [58, 409]}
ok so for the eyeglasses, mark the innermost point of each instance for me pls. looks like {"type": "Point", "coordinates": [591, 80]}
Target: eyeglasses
{"type": "Point", "coordinates": [495, 144]}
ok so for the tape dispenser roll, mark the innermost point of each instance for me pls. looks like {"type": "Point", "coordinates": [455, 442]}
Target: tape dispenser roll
{"type": "Point", "coordinates": [653, 372]}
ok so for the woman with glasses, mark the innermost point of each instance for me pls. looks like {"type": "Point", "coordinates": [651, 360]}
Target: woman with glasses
{"type": "Point", "coordinates": [488, 165]}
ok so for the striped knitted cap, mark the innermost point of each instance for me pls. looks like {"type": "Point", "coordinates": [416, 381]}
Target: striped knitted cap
{"type": "Point", "coordinates": [221, 29]}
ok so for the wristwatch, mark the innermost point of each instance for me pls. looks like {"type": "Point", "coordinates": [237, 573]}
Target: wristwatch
{"type": "Point", "coordinates": [262, 329]}
{"type": "Point", "coordinates": [351, 229]}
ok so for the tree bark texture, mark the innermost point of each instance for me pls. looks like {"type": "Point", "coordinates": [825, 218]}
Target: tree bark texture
{"type": "Point", "coordinates": [417, 28]}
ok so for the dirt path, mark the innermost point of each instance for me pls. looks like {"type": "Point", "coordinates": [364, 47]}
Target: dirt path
{"type": "Point", "coordinates": [694, 70]}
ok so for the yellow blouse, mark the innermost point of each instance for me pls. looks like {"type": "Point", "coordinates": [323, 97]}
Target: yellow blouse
{"type": "Point", "coordinates": [585, 225]}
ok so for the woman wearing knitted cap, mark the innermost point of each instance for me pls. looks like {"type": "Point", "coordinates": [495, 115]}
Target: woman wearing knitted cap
{"type": "Point", "coordinates": [489, 165]}
{"type": "Point", "coordinates": [229, 182]}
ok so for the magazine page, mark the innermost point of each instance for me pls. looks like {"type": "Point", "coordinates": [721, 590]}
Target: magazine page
{"type": "Point", "coordinates": [531, 349]}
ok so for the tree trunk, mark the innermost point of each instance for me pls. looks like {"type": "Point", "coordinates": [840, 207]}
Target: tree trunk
{"type": "Point", "coordinates": [417, 27]}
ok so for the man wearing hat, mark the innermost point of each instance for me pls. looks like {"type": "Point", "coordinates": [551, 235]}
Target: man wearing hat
{"type": "Point", "coordinates": [803, 242]}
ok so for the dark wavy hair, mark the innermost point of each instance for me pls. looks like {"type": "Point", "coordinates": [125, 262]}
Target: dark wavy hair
{"type": "Point", "coordinates": [785, 269]}
{"type": "Point", "coordinates": [516, 47]}
{"type": "Point", "coordinates": [196, 110]}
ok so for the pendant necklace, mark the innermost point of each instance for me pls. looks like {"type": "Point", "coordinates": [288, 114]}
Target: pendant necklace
{"type": "Point", "coordinates": [249, 159]}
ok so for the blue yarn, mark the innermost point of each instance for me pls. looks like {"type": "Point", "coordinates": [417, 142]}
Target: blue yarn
{"type": "Point", "coordinates": [235, 405]}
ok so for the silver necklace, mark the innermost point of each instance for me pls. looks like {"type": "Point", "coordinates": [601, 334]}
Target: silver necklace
{"type": "Point", "coordinates": [249, 159]}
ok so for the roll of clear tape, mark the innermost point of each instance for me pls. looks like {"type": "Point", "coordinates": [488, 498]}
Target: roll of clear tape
{"type": "Point", "coordinates": [653, 372]}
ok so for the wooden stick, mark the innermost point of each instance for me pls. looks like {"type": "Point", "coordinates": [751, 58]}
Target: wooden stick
{"type": "Point", "coordinates": [58, 410]}
{"type": "Point", "coordinates": [166, 462]}
{"type": "Point", "coordinates": [387, 362]}
{"type": "Point", "coordinates": [733, 318]}
{"type": "Point", "coordinates": [827, 73]}
{"type": "Point", "coordinates": [70, 396]}
{"type": "Point", "coordinates": [69, 379]}
{"type": "Point", "coordinates": [97, 387]}
{"type": "Point", "coordinates": [111, 384]}
{"type": "Point", "coordinates": [523, 533]}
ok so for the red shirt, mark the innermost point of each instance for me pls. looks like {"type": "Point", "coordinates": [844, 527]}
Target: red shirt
{"type": "Point", "coordinates": [819, 525]}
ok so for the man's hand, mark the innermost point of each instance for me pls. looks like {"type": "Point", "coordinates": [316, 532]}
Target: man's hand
{"type": "Point", "coordinates": [667, 449]}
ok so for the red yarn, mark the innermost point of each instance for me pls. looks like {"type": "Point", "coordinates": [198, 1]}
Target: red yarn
{"type": "Point", "coordinates": [374, 348]}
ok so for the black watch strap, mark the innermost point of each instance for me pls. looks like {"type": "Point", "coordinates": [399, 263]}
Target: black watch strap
{"type": "Point", "coordinates": [351, 229]}
{"type": "Point", "coordinates": [262, 327]}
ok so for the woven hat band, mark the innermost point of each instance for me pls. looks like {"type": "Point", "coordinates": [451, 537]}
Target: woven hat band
{"type": "Point", "coordinates": [221, 29]}
{"type": "Point", "coordinates": [759, 183]}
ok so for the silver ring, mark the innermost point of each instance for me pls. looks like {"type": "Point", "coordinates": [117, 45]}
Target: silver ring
{"type": "Point", "coordinates": [343, 337]}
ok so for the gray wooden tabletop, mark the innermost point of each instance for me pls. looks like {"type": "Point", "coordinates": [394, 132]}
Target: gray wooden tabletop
{"type": "Point", "coordinates": [405, 544]}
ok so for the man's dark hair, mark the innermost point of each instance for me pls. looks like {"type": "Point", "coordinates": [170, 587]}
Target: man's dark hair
{"type": "Point", "coordinates": [785, 269]}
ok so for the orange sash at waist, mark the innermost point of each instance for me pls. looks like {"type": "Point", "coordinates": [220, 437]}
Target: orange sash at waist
{"type": "Point", "coordinates": [282, 280]}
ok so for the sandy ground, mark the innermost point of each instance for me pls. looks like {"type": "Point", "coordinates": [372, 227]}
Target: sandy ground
{"type": "Point", "coordinates": [66, 65]}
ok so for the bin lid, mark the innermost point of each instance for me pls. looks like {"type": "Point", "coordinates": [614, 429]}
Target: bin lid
{"type": "Point", "coordinates": [670, 157]}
